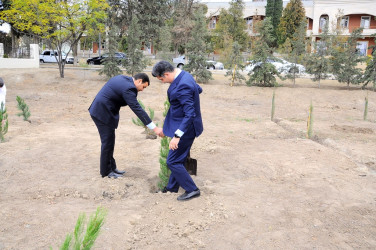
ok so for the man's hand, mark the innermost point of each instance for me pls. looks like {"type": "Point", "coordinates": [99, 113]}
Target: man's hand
{"type": "Point", "coordinates": [174, 143]}
{"type": "Point", "coordinates": [158, 131]}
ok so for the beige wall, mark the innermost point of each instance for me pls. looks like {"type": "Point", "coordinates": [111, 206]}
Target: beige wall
{"type": "Point", "coordinates": [18, 63]}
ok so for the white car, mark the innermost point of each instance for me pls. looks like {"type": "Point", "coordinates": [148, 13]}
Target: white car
{"type": "Point", "coordinates": [281, 65]}
{"type": "Point", "coordinates": [211, 64]}
{"type": "Point", "coordinates": [214, 65]}
{"type": "Point", "coordinates": [49, 56]}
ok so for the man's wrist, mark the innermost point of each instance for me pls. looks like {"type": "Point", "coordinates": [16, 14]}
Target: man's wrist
{"type": "Point", "coordinates": [176, 136]}
{"type": "Point", "coordinates": [151, 126]}
{"type": "Point", "coordinates": [179, 133]}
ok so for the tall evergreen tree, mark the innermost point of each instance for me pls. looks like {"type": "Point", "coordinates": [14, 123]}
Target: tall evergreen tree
{"type": "Point", "coordinates": [164, 43]}
{"type": "Point", "coordinates": [345, 59]}
{"type": "Point", "coordinates": [182, 24]}
{"type": "Point", "coordinates": [292, 16]}
{"type": "Point", "coordinates": [274, 10]}
{"type": "Point", "coordinates": [236, 62]}
{"type": "Point", "coordinates": [370, 72]}
{"type": "Point", "coordinates": [296, 51]}
{"type": "Point", "coordinates": [111, 68]}
{"type": "Point", "coordinates": [318, 63]}
{"type": "Point", "coordinates": [264, 72]}
{"type": "Point", "coordinates": [136, 60]}
{"type": "Point", "coordinates": [197, 49]}
{"type": "Point", "coordinates": [232, 24]}
{"type": "Point", "coordinates": [152, 22]}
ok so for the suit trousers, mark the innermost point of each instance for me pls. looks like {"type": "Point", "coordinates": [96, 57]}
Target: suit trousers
{"type": "Point", "coordinates": [107, 135]}
{"type": "Point", "coordinates": [175, 161]}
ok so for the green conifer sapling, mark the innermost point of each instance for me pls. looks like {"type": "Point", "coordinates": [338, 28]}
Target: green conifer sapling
{"type": "Point", "coordinates": [24, 109]}
{"type": "Point", "coordinates": [3, 122]}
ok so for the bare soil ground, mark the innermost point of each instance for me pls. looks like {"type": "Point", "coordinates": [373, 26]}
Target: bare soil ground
{"type": "Point", "coordinates": [264, 185]}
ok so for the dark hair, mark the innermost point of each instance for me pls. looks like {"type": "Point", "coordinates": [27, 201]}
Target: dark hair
{"type": "Point", "coordinates": [142, 76]}
{"type": "Point", "coordinates": [162, 67]}
{"type": "Point", "coordinates": [1, 82]}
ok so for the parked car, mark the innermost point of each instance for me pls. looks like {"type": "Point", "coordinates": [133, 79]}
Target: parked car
{"type": "Point", "coordinates": [98, 60]}
{"type": "Point", "coordinates": [214, 65]}
{"type": "Point", "coordinates": [51, 56]}
{"type": "Point", "coordinates": [180, 61]}
{"type": "Point", "coordinates": [281, 65]}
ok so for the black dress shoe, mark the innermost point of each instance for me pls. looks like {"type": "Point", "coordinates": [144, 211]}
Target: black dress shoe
{"type": "Point", "coordinates": [116, 171]}
{"type": "Point", "coordinates": [113, 175]}
{"type": "Point", "coordinates": [190, 195]}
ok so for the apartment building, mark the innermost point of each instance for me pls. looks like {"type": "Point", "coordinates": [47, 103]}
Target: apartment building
{"type": "Point", "coordinates": [347, 14]}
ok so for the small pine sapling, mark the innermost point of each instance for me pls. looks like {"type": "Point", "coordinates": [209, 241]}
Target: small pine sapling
{"type": "Point", "coordinates": [86, 241]}
{"type": "Point", "coordinates": [273, 106]}
{"type": "Point", "coordinates": [149, 133]}
{"type": "Point", "coordinates": [24, 109]}
{"type": "Point", "coordinates": [365, 108]}
{"type": "Point", "coordinates": [310, 122]}
{"type": "Point", "coordinates": [3, 122]}
{"type": "Point", "coordinates": [164, 172]}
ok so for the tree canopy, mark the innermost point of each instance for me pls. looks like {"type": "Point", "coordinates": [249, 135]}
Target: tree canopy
{"type": "Point", "coordinates": [292, 16]}
{"type": "Point", "coordinates": [274, 10]}
{"type": "Point", "coordinates": [232, 24]}
{"type": "Point", "coordinates": [60, 22]}
{"type": "Point", "coordinates": [196, 48]}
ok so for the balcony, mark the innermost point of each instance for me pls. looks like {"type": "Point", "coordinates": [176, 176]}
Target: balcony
{"type": "Point", "coordinates": [370, 30]}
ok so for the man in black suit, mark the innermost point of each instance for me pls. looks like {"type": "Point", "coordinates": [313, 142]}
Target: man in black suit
{"type": "Point", "coordinates": [117, 92]}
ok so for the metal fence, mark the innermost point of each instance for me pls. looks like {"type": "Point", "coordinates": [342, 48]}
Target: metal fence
{"type": "Point", "coordinates": [20, 52]}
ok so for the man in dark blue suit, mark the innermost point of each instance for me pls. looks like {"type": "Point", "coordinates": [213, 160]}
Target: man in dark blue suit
{"type": "Point", "coordinates": [183, 123]}
{"type": "Point", "coordinates": [117, 92]}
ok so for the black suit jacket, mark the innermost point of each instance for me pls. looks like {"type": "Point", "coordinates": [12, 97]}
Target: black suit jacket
{"type": "Point", "coordinates": [117, 92]}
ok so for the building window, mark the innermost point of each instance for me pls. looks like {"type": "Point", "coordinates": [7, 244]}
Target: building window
{"type": "Point", "coordinates": [249, 21]}
{"type": "Point", "coordinates": [361, 48]}
{"type": "Point", "coordinates": [365, 21]}
{"type": "Point", "coordinates": [323, 21]}
{"type": "Point", "coordinates": [344, 22]}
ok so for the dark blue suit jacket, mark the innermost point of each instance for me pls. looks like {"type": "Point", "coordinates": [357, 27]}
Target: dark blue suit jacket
{"type": "Point", "coordinates": [117, 92]}
{"type": "Point", "coordinates": [184, 112]}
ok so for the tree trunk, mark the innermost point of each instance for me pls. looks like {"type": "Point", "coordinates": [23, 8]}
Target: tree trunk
{"type": "Point", "coordinates": [13, 51]}
{"type": "Point", "coordinates": [294, 77]}
{"type": "Point", "coordinates": [74, 50]}
{"type": "Point", "coordinates": [60, 60]}
{"type": "Point", "coordinates": [61, 69]}
{"type": "Point", "coordinates": [319, 81]}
